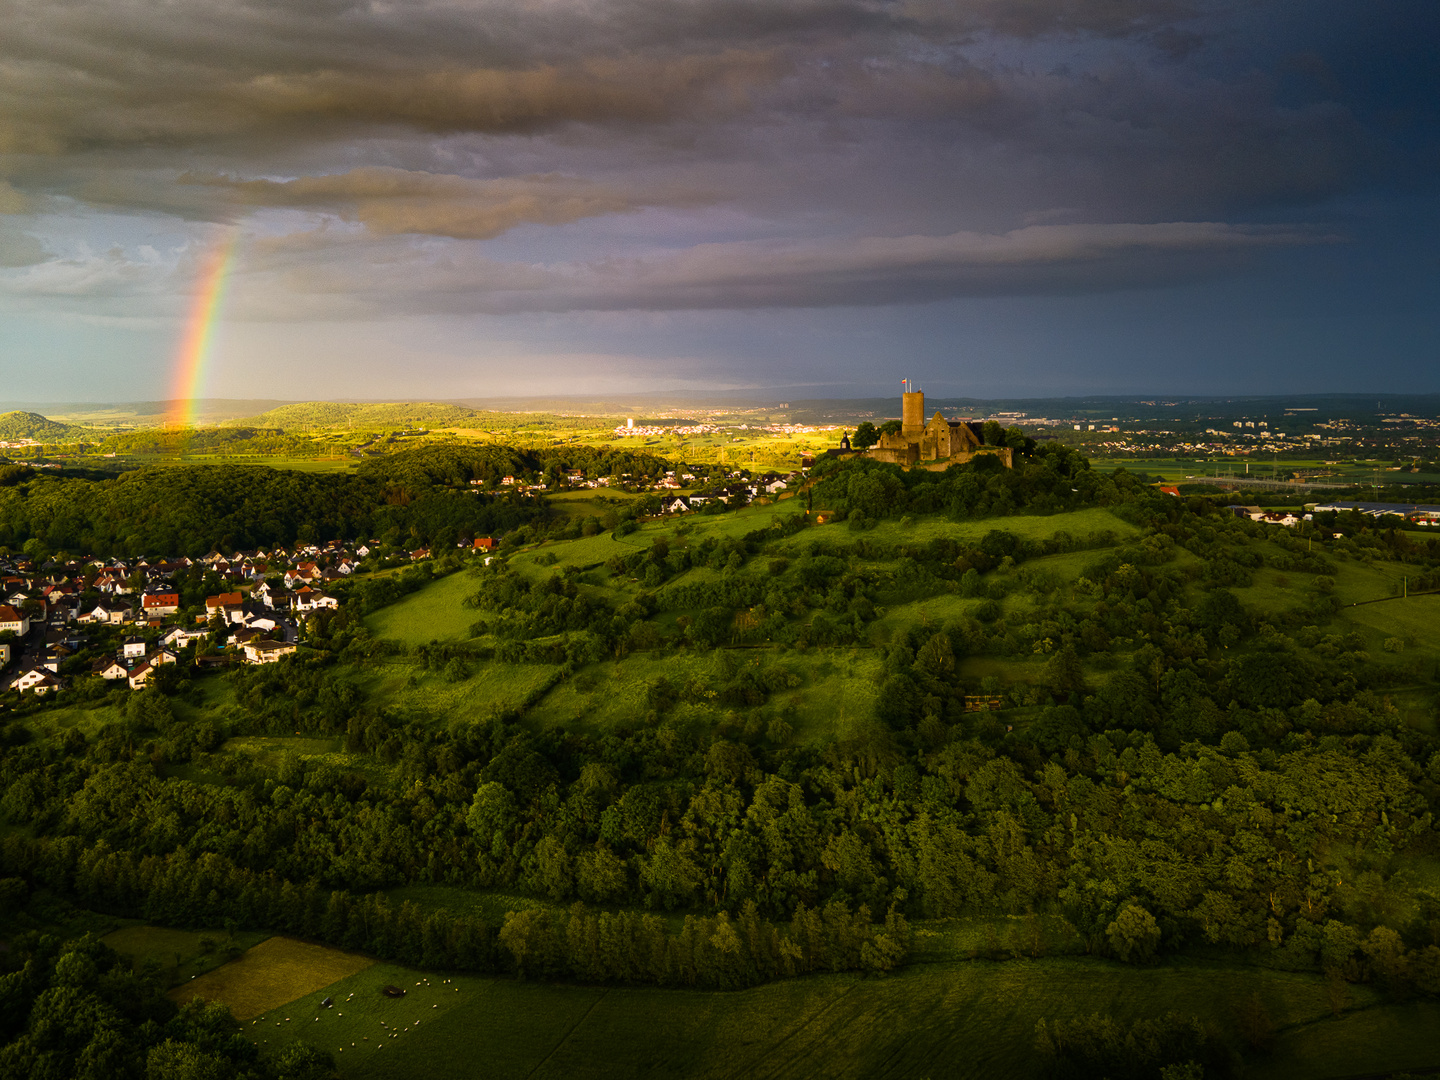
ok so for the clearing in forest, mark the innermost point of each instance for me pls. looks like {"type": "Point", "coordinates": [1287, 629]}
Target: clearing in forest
{"type": "Point", "coordinates": [273, 973]}
{"type": "Point", "coordinates": [181, 954]}
{"type": "Point", "coordinates": [434, 612]}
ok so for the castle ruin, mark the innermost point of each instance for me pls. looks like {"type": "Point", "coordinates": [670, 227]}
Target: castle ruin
{"type": "Point", "coordinates": [934, 445]}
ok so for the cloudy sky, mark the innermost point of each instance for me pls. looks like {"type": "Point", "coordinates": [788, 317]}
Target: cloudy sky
{"type": "Point", "coordinates": [485, 197]}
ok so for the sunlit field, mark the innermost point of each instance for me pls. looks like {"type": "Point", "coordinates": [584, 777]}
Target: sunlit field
{"type": "Point", "coordinates": [270, 975]}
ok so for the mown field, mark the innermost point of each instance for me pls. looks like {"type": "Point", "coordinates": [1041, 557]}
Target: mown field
{"type": "Point", "coordinates": [272, 975]}
{"type": "Point", "coordinates": [434, 697]}
{"type": "Point", "coordinates": [953, 1019]}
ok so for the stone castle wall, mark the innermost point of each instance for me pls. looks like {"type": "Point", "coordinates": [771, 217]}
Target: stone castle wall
{"type": "Point", "coordinates": [936, 445]}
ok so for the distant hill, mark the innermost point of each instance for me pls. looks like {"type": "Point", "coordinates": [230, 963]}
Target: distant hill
{"type": "Point", "coordinates": [127, 414]}
{"type": "Point", "coordinates": [332, 414]}
{"type": "Point", "coordinates": [29, 425]}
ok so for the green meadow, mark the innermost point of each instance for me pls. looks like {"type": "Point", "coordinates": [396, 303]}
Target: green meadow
{"type": "Point", "coordinates": [963, 1019]}
{"type": "Point", "coordinates": [435, 613]}
{"type": "Point", "coordinates": [181, 955]}
{"type": "Point", "coordinates": [837, 686]}
{"type": "Point", "coordinates": [434, 697]}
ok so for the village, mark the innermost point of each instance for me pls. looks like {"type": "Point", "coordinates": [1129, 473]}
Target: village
{"type": "Point", "coordinates": [123, 620]}
{"type": "Point", "coordinates": [733, 488]}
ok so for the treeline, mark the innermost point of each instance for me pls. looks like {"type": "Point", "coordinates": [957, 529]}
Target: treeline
{"type": "Point", "coordinates": [457, 464]}
{"type": "Point", "coordinates": [1052, 479]}
{"type": "Point", "coordinates": [76, 1009]}
{"type": "Point", "coordinates": [196, 509]}
{"type": "Point", "coordinates": [706, 803]}
{"type": "Point", "coordinates": [212, 440]}
{"type": "Point", "coordinates": [715, 952]}
{"type": "Point", "coordinates": [334, 414]}
{"type": "Point", "coordinates": [1171, 1047]}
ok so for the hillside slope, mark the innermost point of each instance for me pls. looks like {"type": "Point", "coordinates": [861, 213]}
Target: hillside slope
{"type": "Point", "coordinates": [28, 425]}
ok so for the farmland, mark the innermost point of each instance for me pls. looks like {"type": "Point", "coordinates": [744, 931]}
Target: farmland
{"type": "Point", "coordinates": [979, 1019]}
{"type": "Point", "coordinates": [839, 784]}
{"type": "Point", "coordinates": [272, 974]}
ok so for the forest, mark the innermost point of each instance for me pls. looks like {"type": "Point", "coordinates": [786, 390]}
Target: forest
{"type": "Point", "coordinates": [197, 509]}
{"type": "Point", "coordinates": [421, 496]}
{"type": "Point", "coordinates": [1198, 751]}
{"type": "Point", "coordinates": [28, 425]}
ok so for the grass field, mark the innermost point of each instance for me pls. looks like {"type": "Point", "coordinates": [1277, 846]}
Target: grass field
{"type": "Point", "coordinates": [488, 904]}
{"type": "Point", "coordinates": [837, 690]}
{"type": "Point", "coordinates": [267, 750]}
{"type": "Point", "coordinates": [613, 691]}
{"type": "Point", "coordinates": [435, 612]}
{"type": "Point", "coordinates": [734, 523]}
{"type": "Point", "coordinates": [587, 551]}
{"type": "Point", "coordinates": [432, 698]}
{"type": "Point", "coordinates": [181, 954]}
{"type": "Point", "coordinates": [294, 464]}
{"type": "Point", "coordinates": [1261, 467]}
{"type": "Point", "coordinates": [87, 718]}
{"type": "Point", "coordinates": [275, 972]}
{"type": "Point", "coordinates": [1412, 619]}
{"type": "Point", "coordinates": [589, 503]}
{"type": "Point", "coordinates": [966, 1019]}
{"type": "Point", "coordinates": [1079, 523]}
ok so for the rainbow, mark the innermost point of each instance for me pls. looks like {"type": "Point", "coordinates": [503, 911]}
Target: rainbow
{"type": "Point", "coordinates": [190, 364]}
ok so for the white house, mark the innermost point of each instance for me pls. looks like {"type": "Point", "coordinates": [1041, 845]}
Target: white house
{"type": "Point", "coordinates": [133, 649]}
{"type": "Point", "coordinates": [180, 637]}
{"type": "Point", "coordinates": [13, 620]}
{"type": "Point", "coordinates": [36, 680]}
{"type": "Point", "coordinates": [102, 613]}
{"type": "Point", "coordinates": [311, 600]}
{"type": "Point", "coordinates": [266, 651]}
{"type": "Point", "coordinates": [110, 670]}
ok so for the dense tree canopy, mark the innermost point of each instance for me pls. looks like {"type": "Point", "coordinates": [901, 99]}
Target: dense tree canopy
{"type": "Point", "coordinates": [1054, 478]}
{"type": "Point", "coordinates": [195, 509]}
{"type": "Point", "coordinates": [1179, 769]}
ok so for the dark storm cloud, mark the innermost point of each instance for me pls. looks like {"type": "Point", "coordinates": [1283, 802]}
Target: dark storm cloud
{"type": "Point", "coordinates": [847, 152]}
{"type": "Point", "coordinates": [287, 281]}
{"type": "Point", "coordinates": [390, 200]}
{"type": "Point", "coordinates": [328, 274]}
{"type": "Point", "coordinates": [124, 72]}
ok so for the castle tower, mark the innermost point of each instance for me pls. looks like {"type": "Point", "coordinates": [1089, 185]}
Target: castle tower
{"type": "Point", "coordinates": [912, 414]}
